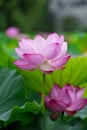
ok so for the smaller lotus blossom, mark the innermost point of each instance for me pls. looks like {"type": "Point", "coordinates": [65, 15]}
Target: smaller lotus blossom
{"type": "Point", "coordinates": [47, 54]}
{"type": "Point", "coordinates": [68, 99]}
{"type": "Point", "coordinates": [13, 32]}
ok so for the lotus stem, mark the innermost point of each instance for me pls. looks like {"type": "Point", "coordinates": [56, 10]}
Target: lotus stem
{"type": "Point", "coordinates": [62, 116]}
{"type": "Point", "coordinates": [43, 91]}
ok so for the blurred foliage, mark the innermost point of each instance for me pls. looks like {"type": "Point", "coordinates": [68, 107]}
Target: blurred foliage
{"type": "Point", "coordinates": [77, 43]}
{"type": "Point", "coordinates": [28, 15]}
{"type": "Point", "coordinates": [71, 24]}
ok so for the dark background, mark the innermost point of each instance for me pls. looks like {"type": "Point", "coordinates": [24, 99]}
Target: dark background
{"type": "Point", "coordinates": [27, 15]}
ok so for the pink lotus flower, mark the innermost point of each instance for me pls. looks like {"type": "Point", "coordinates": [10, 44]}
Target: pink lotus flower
{"type": "Point", "coordinates": [48, 55]}
{"type": "Point", "coordinates": [68, 99]}
{"type": "Point", "coordinates": [13, 32]}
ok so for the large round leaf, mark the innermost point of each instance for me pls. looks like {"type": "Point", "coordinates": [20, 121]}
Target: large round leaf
{"type": "Point", "coordinates": [75, 73]}
{"type": "Point", "coordinates": [13, 104]}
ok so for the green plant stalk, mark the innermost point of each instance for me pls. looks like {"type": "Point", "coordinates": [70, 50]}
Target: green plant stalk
{"type": "Point", "coordinates": [43, 91]}
{"type": "Point", "coordinates": [62, 116]}
{"type": "Point", "coordinates": [2, 125]}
